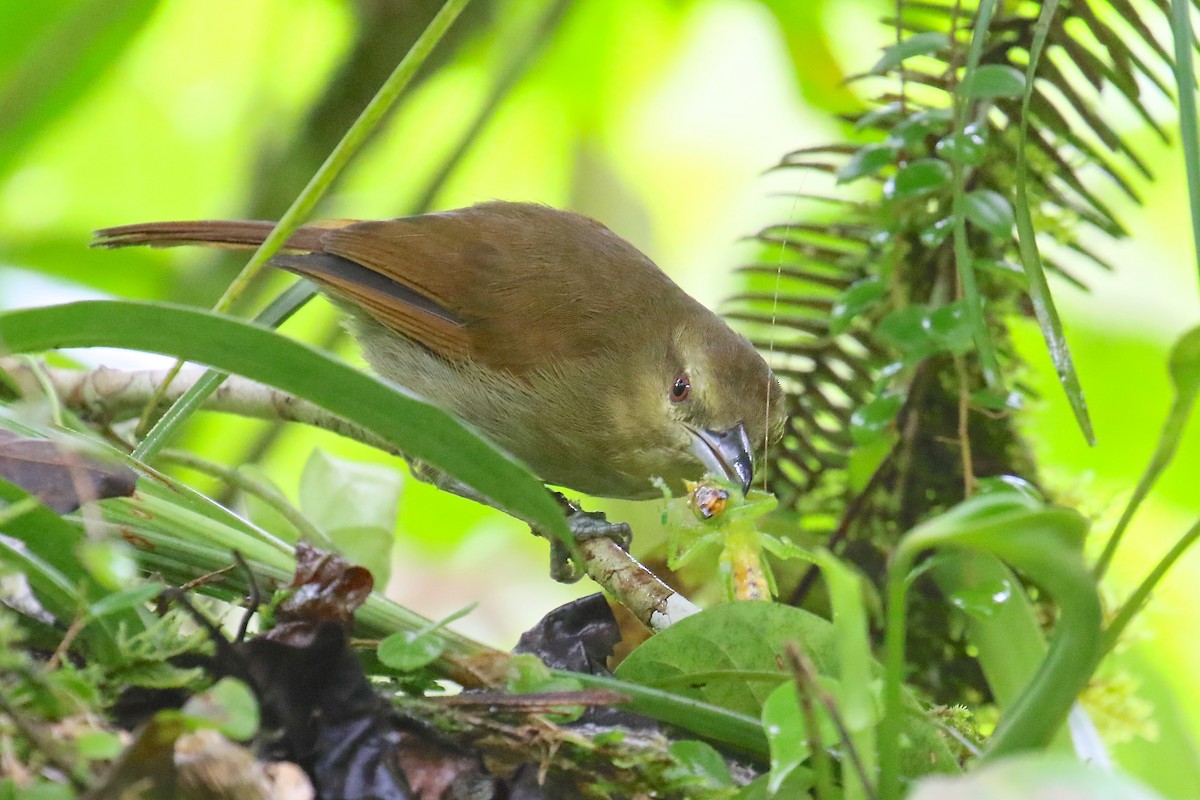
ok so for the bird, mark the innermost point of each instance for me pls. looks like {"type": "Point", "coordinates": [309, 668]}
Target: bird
{"type": "Point", "coordinates": [556, 338]}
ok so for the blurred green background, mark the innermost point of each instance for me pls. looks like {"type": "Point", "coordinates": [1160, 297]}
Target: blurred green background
{"type": "Point", "coordinates": [659, 118]}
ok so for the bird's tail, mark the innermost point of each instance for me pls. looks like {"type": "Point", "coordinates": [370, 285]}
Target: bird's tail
{"type": "Point", "coordinates": [234, 235]}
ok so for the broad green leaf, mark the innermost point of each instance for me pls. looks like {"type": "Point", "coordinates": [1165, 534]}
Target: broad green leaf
{"type": "Point", "coordinates": [409, 651]}
{"type": "Point", "coordinates": [698, 764]}
{"type": "Point", "coordinates": [734, 653]}
{"type": "Point", "coordinates": [228, 706]}
{"type": "Point", "coordinates": [857, 298]}
{"type": "Point", "coordinates": [411, 424]}
{"type": "Point", "coordinates": [918, 178]}
{"type": "Point", "coordinates": [867, 160]}
{"type": "Point", "coordinates": [870, 421]}
{"type": "Point", "coordinates": [990, 211]}
{"type": "Point", "coordinates": [336, 493]}
{"type": "Point", "coordinates": [968, 148]}
{"type": "Point", "coordinates": [990, 81]}
{"type": "Point", "coordinates": [919, 44]}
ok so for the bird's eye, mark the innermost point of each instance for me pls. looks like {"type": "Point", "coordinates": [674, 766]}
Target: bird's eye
{"type": "Point", "coordinates": [681, 388]}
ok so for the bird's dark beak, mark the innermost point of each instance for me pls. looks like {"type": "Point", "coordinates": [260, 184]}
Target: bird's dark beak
{"type": "Point", "coordinates": [726, 454]}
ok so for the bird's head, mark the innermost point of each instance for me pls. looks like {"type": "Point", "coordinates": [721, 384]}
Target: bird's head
{"type": "Point", "coordinates": [702, 401]}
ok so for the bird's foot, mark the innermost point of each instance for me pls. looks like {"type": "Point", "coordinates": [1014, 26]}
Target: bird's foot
{"type": "Point", "coordinates": [585, 526]}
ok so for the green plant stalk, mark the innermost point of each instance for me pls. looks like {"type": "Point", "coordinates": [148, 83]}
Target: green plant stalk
{"type": "Point", "coordinates": [1189, 132]}
{"type": "Point", "coordinates": [1135, 602]}
{"type": "Point", "coordinates": [1168, 444]}
{"type": "Point", "coordinates": [320, 182]}
{"type": "Point", "coordinates": [962, 256]}
{"type": "Point", "coordinates": [1039, 289]}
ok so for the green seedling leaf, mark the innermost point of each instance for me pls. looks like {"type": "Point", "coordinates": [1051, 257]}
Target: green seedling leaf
{"type": "Point", "coordinates": [870, 422]}
{"type": "Point", "coordinates": [990, 211]}
{"type": "Point", "coordinates": [409, 651]}
{"type": "Point", "coordinates": [933, 235]}
{"type": "Point", "coordinates": [919, 44]}
{"type": "Point", "coordinates": [911, 132]}
{"type": "Point", "coordinates": [999, 484]}
{"type": "Point", "coordinates": [111, 563]}
{"type": "Point", "coordinates": [968, 148]}
{"type": "Point", "coordinates": [866, 458]}
{"type": "Point", "coordinates": [917, 179]}
{"type": "Point", "coordinates": [228, 706]}
{"type": "Point", "coordinates": [98, 745]}
{"type": "Point", "coordinates": [906, 329]}
{"type": "Point", "coordinates": [858, 297]}
{"type": "Point", "coordinates": [990, 81]}
{"type": "Point", "coordinates": [949, 328]}
{"type": "Point", "coordinates": [784, 725]}
{"type": "Point", "coordinates": [337, 493]}
{"type": "Point", "coordinates": [698, 764]}
{"type": "Point", "coordinates": [997, 401]}
{"type": "Point", "coordinates": [867, 160]}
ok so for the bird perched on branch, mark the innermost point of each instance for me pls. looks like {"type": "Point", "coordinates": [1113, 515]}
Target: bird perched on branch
{"type": "Point", "coordinates": [545, 330]}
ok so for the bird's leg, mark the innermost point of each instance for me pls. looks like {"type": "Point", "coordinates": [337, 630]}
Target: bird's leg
{"type": "Point", "coordinates": [584, 525]}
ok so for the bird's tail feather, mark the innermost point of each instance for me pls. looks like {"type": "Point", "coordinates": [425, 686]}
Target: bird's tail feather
{"type": "Point", "coordinates": [237, 235]}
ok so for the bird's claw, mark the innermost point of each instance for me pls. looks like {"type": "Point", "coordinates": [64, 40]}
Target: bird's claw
{"type": "Point", "coordinates": [585, 526]}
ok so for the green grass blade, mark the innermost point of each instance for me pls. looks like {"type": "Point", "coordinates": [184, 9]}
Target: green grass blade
{"type": "Point", "coordinates": [1039, 289]}
{"type": "Point", "coordinates": [411, 424]}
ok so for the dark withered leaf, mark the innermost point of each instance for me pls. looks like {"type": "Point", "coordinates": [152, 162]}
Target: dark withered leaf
{"type": "Point", "coordinates": [60, 477]}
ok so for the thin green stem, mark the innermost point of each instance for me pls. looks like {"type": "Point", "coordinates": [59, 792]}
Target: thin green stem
{"type": "Point", "coordinates": [306, 201]}
{"type": "Point", "coordinates": [1185, 82]}
{"type": "Point", "coordinates": [1135, 602]}
{"type": "Point", "coordinates": [973, 301]}
{"type": "Point", "coordinates": [263, 490]}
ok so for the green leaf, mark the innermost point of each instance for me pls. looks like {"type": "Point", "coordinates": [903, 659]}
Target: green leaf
{"type": "Point", "coordinates": [409, 651]}
{"type": "Point", "coordinates": [857, 298]}
{"type": "Point", "coordinates": [1035, 776]}
{"type": "Point", "coordinates": [919, 44]}
{"type": "Point", "coordinates": [906, 329]}
{"type": "Point", "coordinates": [698, 764]}
{"type": "Point", "coordinates": [336, 493]}
{"type": "Point", "coordinates": [784, 725]}
{"type": "Point", "coordinates": [870, 421]}
{"type": "Point", "coordinates": [990, 211]}
{"type": "Point", "coordinates": [98, 745]}
{"type": "Point", "coordinates": [867, 160]}
{"type": "Point", "coordinates": [990, 81]}
{"type": "Point", "coordinates": [866, 458]}
{"type": "Point", "coordinates": [1184, 365]}
{"type": "Point", "coordinates": [917, 179]}
{"type": "Point", "coordinates": [949, 327]}
{"type": "Point", "coordinates": [730, 655]}
{"type": "Point", "coordinates": [110, 562]}
{"type": "Point", "coordinates": [228, 706]}
{"type": "Point", "coordinates": [420, 429]}
{"type": "Point", "coordinates": [968, 148]}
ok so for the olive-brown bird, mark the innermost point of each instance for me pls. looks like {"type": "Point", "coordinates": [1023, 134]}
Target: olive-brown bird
{"type": "Point", "coordinates": [555, 337]}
